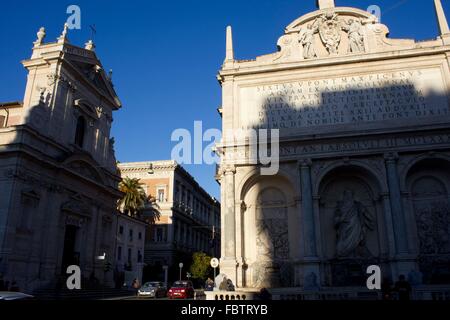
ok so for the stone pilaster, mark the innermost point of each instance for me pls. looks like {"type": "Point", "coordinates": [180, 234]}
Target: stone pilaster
{"type": "Point", "coordinates": [310, 259]}
{"type": "Point", "coordinates": [398, 219]}
{"type": "Point", "coordinates": [228, 262]}
{"type": "Point", "coordinates": [307, 209]}
{"type": "Point", "coordinates": [178, 232]}
{"type": "Point", "coordinates": [404, 261]}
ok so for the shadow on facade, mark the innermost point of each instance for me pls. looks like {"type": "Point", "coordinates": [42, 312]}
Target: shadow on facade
{"type": "Point", "coordinates": [62, 199]}
{"type": "Point", "coordinates": [379, 190]}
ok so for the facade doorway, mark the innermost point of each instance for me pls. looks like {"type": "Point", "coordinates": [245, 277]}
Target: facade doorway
{"type": "Point", "coordinates": [70, 255]}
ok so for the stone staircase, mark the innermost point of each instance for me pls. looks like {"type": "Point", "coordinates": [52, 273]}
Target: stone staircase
{"type": "Point", "coordinates": [87, 292]}
{"type": "Point", "coordinates": [83, 294]}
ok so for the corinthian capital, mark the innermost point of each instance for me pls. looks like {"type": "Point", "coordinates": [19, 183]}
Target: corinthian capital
{"type": "Point", "coordinates": [229, 169]}
{"type": "Point", "coordinates": [302, 163]}
{"type": "Point", "coordinates": [391, 156]}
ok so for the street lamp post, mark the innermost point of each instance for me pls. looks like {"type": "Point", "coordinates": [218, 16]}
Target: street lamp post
{"type": "Point", "coordinates": [166, 269]}
{"type": "Point", "coordinates": [214, 265]}
{"type": "Point", "coordinates": [181, 268]}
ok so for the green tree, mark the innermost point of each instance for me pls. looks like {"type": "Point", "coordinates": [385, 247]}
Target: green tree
{"type": "Point", "coordinates": [200, 267]}
{"type": "Point", "coordinates": [134, 198]}
{"type": "Point", "coordinates": [152, 211]}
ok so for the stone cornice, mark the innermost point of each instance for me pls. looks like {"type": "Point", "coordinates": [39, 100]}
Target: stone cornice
{"type": "Point", "coordinates": [142, 167]}
{"type": "Point", "coordinates": [37, 154]}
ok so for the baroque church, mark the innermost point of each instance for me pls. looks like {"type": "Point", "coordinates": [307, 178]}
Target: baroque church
{"type": "Point", "coordinates": [58, 175]}
{"type": "Point", "coordinates": [364, 172]}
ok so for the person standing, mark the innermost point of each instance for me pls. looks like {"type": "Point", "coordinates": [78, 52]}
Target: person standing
{"type": "Point", "coordinates": [403, 288]}
{"type": "Point", "coordinates": [136, 285]}
{"type": "Point", "coordinates": [223, 284]}
{"type": "Point", "coordinates": [209, 286]}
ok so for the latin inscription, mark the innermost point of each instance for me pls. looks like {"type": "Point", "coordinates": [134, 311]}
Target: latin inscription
{"type": "Point", "coordinates": [242, 154]}
{"type": "Point", "coordinates": [346, 100]}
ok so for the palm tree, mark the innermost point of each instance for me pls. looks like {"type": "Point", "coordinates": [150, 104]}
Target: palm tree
{"type": "Point", "coordinates": [152, 212]}
{"type": "Point", "coordinates": [134, 199]}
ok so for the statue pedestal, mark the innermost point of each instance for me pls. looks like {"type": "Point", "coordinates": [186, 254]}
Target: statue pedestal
{"type": "Point", "coordinates": [311, 270]}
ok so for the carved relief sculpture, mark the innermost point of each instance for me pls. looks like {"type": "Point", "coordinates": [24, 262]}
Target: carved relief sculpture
{"type": "Point", "coordinates": [433, 221]}
{"type": "Point", "coordinates": [307, 40]}
{"type": "Point", "coordinates": [352, 222]}
{"type": "Point", "coordinates": [355, 36]}
{"type": "Point", "coordinates": [272, 239]}
{"type": "Point", "coordinates": [330, 31]}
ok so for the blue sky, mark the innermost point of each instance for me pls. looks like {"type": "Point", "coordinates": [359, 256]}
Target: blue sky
{"type": "Point", "coordinates": [165, 56]}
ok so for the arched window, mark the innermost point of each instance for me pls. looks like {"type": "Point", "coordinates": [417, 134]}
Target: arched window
{"type": "Point", "coordinates": [79, 133]}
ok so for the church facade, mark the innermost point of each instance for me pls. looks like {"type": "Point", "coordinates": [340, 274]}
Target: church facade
{"type": "Point", "coordinates": [58, 174]}
{"type": "Point", "coordinates": [364, 152]}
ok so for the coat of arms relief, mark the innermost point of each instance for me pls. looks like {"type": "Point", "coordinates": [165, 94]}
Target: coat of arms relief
{"type": "Point", "coordinates": [331, 28]}
{"type": "Point", "coordinates": [333, 32]}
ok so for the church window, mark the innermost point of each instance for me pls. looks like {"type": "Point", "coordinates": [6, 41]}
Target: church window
{"type": "Point", "coordinates": [80, 131]}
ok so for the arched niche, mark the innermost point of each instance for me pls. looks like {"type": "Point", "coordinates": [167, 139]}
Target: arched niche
{"type": "Point", "coordinates": [428, 185]}
{"type": "Point", "coordinates": [352, 224]}
{"type": "Point", "coordinates": [270, 232]}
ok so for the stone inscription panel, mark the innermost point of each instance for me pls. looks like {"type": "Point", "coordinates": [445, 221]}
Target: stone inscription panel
{"type": "Point", "coordinates": [399, 96]}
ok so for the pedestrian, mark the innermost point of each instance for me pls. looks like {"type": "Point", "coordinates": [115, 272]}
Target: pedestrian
{"type": "Point", "coordinates": [209, 285]}
{"type": "Point", "coordinates": [230, 285]}
{"type": "Point", "coordinates": [223, 284]}
{"type": "Point", "coordinates": [403, 288]}
{"type": "Point", "coordinates": [136, 285]}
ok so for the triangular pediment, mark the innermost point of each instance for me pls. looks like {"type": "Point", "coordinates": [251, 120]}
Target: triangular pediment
{"type": "Point", "coordinates": [83, 165]}
{"type": "Point", "coordinates": [87, 65]}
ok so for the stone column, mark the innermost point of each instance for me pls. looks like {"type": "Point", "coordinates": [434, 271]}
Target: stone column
{"type": "Point", "coordinates": [404, 261]}
{"type": "Point", "coordinates": [310, 259]}
{"type": "Point", "coordinates": [171, 231]}
{"type": "Point", "coordinates": [309, 228]}
{"type": "Point", "coordinates": [240, 209]}
{"type": "Point", "coordinates": [398, 219]}
{"type": "Point", "coordinates": [389, 227]}
{"type": "Point", "coordinates": [228, 260]}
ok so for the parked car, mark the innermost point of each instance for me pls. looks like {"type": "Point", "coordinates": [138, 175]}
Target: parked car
{"type": "Point", "coordinates": [181, 290]}
{"type": "Point", "coordinates": [153, 289]}
{"type": "Point", "coordinates": [10, 295]}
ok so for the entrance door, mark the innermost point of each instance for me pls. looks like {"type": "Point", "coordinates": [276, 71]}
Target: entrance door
{"type": "Point", "coordinates": [70, 257]}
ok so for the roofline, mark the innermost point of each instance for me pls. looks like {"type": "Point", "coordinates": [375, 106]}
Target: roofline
{"type": "Point", "coordinates": [11, 104]}
{"type": "Point", "coordinates": [127, 217]}
{"type": "Point", "coordinates": [146, 165]}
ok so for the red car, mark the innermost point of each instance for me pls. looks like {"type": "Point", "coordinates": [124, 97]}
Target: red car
{"type": "Point", "coordinates": [181, 290]}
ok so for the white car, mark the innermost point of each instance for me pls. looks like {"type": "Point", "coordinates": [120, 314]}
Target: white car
{"type": "Point", "coordinates": [9, 295]}
{"type": "Point", "coordinates": [153, 289]}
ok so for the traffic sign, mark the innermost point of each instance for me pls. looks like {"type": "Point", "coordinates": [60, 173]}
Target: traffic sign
{"type": "Point", "coordinates": [214, 262]}
{"type": "Point", "coordinates": [181, 265]}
